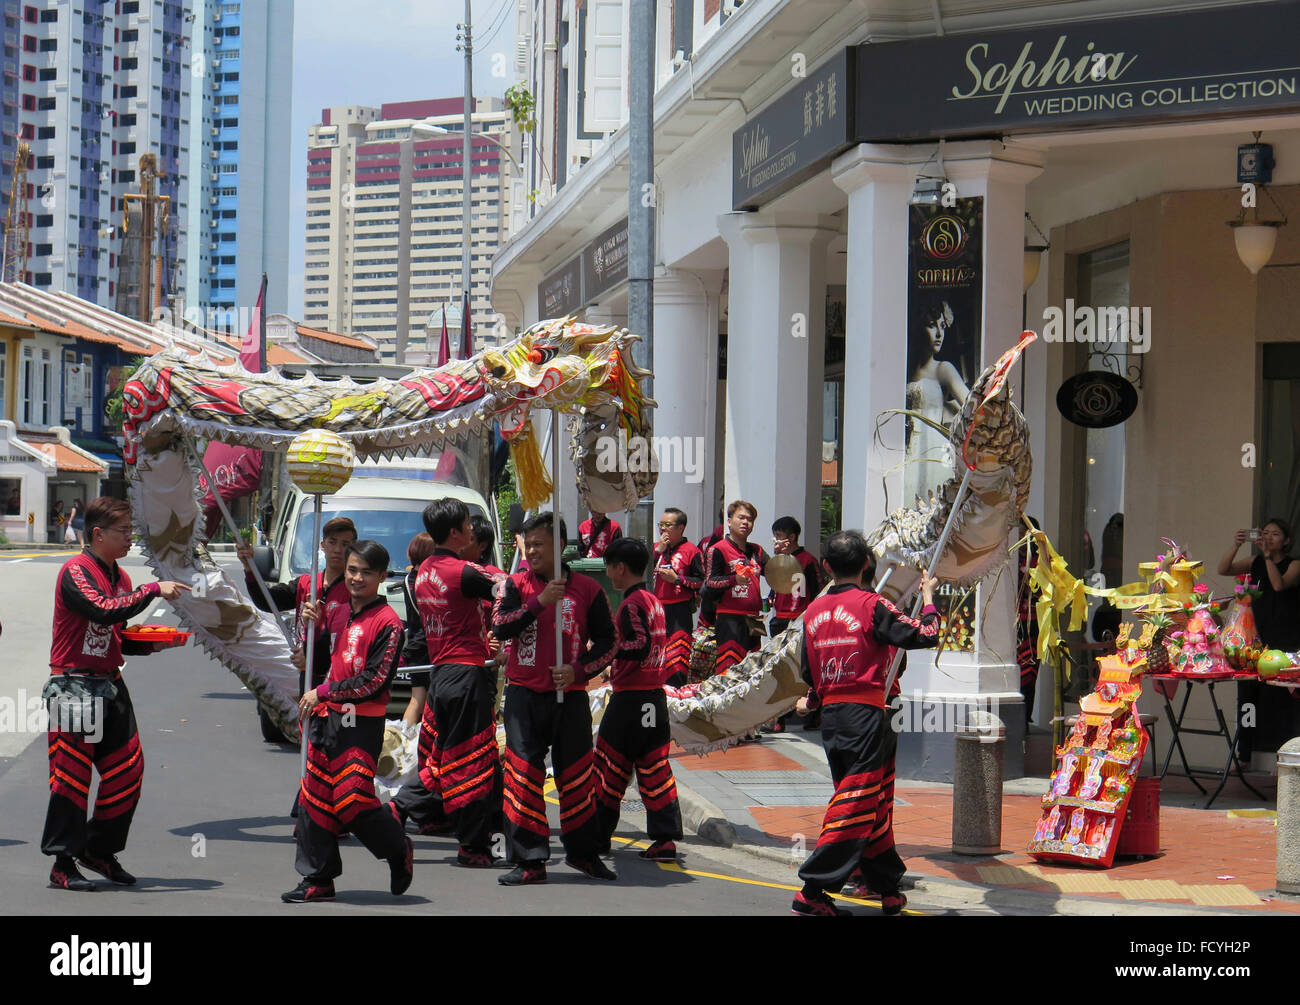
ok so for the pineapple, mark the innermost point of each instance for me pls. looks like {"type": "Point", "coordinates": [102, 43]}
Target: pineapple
{"type": "Point", "coordinates": [1158, 655]}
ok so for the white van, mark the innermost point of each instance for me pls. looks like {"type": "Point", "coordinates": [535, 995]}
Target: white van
{"type": "Point", "coordinates": [386, 501]}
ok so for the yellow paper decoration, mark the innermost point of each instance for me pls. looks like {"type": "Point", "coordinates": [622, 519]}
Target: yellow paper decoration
{"type": "Point", "coordinates": [320, 462]}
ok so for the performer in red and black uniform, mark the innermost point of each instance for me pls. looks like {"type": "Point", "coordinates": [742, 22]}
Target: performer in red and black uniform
{"type": "Point", "coordinates": [595, 534]}
{"type": "Point", "coordinates": [481, 551]}
{"type": "Point", "coordinates": [535, 721]}
{"type": "Point", "coordinates": [732, 594]}
{"type": "Point", "coordinates": [850, 636]}
{"type": "Point", "coordinates": [788, 606]}
{"type": "Point", "coordinates": [344, 719]}
{"type": "Point", "coordinates": [634, 732]}
{"type": "Point", "coordinates": [92, 601]}
{"type": "Point", "coordinates": [451, 594]}
{"type": "Point", "coordinates": [1027, 625]}
{"type": "Point", "coordinates": [679, 575]}
{"type": "Point", "coordinates": [337, 536]}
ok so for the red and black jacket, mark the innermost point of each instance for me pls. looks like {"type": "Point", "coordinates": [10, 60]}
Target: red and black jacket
{"type": "Point", "coordinates": [521, 617]}
{"type": "Point", "coordinates": [685, 560]}
{"type": "Point", "coordinates": [91, 603]}
{"type": "Point", "coordinates": [594, 538]}
{"type": "Point", "coordinates": [335, 602]}
{"type": "Point", "coordinates": [732, 585]}
{"type": "Point", "coordinates": [364, 660]}
{"type": "Point", "coordinates": [454, 598]}
{"type": "Point", "coordinates": [786, 605]}
{"type": "Point", "coordinates": [641, 644]}
{"type": "Point", "coordinates": [849, 638]}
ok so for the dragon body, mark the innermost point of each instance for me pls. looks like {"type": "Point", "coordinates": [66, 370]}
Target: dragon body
{"type": "Point", "coordinates": [174, 399]}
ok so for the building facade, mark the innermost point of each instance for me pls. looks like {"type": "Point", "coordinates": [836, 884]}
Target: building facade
{"type": "Point", "coordinates": [385, 223]}
{"type": "Point", "coordinates": [796, 147]}
{"type": "Point", "coordinates": [240, 129]}
{"type": "Point", "coordinates": [98, 86]}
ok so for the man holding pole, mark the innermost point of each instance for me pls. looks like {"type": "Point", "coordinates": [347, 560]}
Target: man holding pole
{"type": "Point", "coordinates": [450, 593]}
{"type": "Point", "coordinates": [343, 722]}
{"type": "Point", "coordinates": [546, 707]}
{"type": "Point", "coordinates": [851, 635]}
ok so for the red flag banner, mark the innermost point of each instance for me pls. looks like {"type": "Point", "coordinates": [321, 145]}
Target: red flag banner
{"type": "Point", "coordinates": [444, 346]}
{"type": "Point", "coordinates": [252, 352]}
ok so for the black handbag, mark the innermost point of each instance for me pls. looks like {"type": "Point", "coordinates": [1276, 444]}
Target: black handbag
{"type": "Point", "coordinates": [75, 702]}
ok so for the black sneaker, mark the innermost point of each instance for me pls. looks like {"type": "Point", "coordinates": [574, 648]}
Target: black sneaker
{"type": "Point", "coordinates": [402, 869]}
{"type": "Point", "coordinates": [592, 867]}
{"type": "Point", "coordinates": [110, 868]}
{"type": "Point", "coordinates": [308, 891]}
{"type": "Point", "coordinates": [817, 905]}
{"type": "Point", "coordinates": [892, 904]}
{"type": "Point", "coordinates": [660, 851]}
{"type": "Point", "coordinates": [65, 876]}
{"type": "Point", "coordinates": [524, 875]}
{"type": "Point", "coordinates": [473, 858]}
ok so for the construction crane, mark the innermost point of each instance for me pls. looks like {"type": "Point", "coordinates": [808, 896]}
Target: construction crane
{"type": "Point", "coordinates": [144, 218]}
{"type": "Point", "coordinates": [16, 229]}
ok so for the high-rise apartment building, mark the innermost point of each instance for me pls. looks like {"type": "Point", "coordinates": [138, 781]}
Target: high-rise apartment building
{"type": "Point", "coordinates": [385, 226]}
{"type": "Point", "coordinates": [97, 86]}
{"type": "Point", "coordinates": [240, 128]}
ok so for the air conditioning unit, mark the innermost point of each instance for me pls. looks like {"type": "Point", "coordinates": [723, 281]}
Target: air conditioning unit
{"type": "Point", "coordinates": [212, 270]}
{"type": "Point", "coordinates": [214, 176]}
{"type": "Point", "coordinates": [212, 201]}
{"type": "Point", "coordinates": [215, 154]}
{"type": "Point", "coordinates": [216, 131]}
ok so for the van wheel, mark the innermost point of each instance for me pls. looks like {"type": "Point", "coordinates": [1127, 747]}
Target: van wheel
{"type": "Point", "coordinates": [270, 731]}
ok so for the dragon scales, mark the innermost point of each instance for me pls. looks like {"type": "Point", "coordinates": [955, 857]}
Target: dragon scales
{"type": "Point", "coordinates": [992, 438]}
{"type": "Point", "coordinates": [173, 398]}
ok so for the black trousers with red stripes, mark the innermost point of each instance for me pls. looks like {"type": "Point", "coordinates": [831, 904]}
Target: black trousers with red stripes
{"type": "Point", "coordinates": [535, 721]}
{"type": "Point", "coordinates": [858, 829]}
{"type": "Point", "coordinates": [735, 641]}
{"type": "Point", "coordinates": [469, 770]}
{"type": "Point", "coordinates": [421, 800]}
{"type": "Point", "coordinates": [116, 755]}
{"type": "Point", "coordinates": [679, 622]}
{"type": "Point", "coordinates": [634, 736]}
{"type": "Point", "coordinates": [338, 795]}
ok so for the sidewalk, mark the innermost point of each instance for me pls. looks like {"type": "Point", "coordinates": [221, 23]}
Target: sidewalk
{"type": "Point", "coordinates": [768, 799]}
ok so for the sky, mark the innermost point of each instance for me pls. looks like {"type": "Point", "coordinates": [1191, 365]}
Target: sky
{"type": "Point", "coordinates": [348, 52]}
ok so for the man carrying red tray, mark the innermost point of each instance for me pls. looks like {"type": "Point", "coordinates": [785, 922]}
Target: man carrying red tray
{"type": "Point", "coordinates": [92, 601]}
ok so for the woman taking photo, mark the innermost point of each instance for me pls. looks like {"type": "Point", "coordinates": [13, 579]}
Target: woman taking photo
{"type": "Point", "coordinates": [1277, 619]}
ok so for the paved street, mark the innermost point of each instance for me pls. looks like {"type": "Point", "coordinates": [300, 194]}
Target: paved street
{"type": "Point", "coordinates": [211, 836]}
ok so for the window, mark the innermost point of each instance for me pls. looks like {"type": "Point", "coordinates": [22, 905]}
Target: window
{"type": "Point", "coordinates": [48, 16]}
{"type": "Point", "coordinates": [130, 6]}
{"type": "Point", "coordinates": [46, 73]}
{"type": "Point", "coordinates": [45, 162]}
{"type": "Point", "coordinates": [131, 35]}
{"type": "Point", "coordinates": [44, 133]}
{"type": "Point", "coordinates": [45, 104]}
{"type": "Point", "coordinates": [49, 45]}
{"type": "Point", "coordinates": [129, 91]}
{"type": "Point", "coordinates": [45, 220]}
{"type": "Point", "coordinates": [126, 120]}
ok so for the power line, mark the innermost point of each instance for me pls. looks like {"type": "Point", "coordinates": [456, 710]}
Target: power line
{"type": "Point", "coordinates": [496, 27]}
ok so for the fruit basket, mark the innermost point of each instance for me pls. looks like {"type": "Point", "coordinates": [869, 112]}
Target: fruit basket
{"type": "Point", "coordinates": [156, 633]}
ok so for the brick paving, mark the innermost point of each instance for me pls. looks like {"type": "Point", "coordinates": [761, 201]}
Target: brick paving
{"type": "Point", "coordinates": [1217, 857]}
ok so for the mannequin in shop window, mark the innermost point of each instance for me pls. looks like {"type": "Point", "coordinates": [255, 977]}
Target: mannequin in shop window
{"type": "Point", "coordinates": [1277, 619]}
{"type": "Point", "coordinates": [936, 390]}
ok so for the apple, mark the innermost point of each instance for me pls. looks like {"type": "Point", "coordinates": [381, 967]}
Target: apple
{"type": "Point", "coordinates": [1272, 662]}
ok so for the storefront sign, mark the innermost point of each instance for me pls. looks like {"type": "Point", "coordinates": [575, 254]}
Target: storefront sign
{"type": "Point", "coordinates": [560, 293]}
{"type": "Point", "coordinates": [1227, 61]}
{"type": "Point", "coordinates": [1097, 399]}
{"type": "Point", "coordinates": [604, 262]}
{"type": "Point", "coordinates": [944, 277]}
{"type": "Point", "coordinates": [795, 136]}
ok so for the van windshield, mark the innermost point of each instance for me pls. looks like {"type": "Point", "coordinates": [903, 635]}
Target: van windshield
{"type": "Point", "coordinates": [391, 522]}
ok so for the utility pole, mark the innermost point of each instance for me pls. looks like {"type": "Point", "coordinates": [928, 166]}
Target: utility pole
{"type": "Point", "coordinates": [641, 196]}
{"type": "Point", "coordinates": [467, 174]}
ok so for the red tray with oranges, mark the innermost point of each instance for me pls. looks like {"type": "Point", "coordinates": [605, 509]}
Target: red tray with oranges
{"type": "Point", "coordinates": [156, 633]}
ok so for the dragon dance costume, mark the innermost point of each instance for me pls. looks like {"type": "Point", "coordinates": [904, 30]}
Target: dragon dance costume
{"type": "Point", "coordinates": [731, 601]}
{"type": "Point", "coordinates": [850, 637]}
{"type": "Point", "coordinates": [678, 600]}
{"type": "Point", "coordinates": [536, 722]}
{"type": "Point", "coordinates": [91, 603]}
{"type": "Point", "coordinates": [634, 733]}
{"type": "Point", "coordinates": [344, 735]}
{"type": "Point", "coordinates": [460, 773]}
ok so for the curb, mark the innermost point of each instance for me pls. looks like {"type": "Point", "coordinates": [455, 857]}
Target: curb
{"type": "Point", "coordinates": [701, 818]}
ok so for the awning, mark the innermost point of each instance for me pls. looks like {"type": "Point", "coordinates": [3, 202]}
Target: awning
{"type": "Point", "coordinates": [70, 459]}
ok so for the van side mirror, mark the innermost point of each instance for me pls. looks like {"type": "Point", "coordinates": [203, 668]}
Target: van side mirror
{"type": "Point", "coordinates": [264, 562]}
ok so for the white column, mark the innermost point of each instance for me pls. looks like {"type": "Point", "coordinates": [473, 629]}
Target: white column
{"type": "Point", "coordinates": [686, 367]}
{"type": "Point", "coordinates": [878, 180]}
{"type": "Point", "coordinates": [775, 347]}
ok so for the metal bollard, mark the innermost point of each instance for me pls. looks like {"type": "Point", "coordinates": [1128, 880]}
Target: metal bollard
{"type": "Point", "coordinates": [977, 784]}
{"type": "Point", "coordinates": [1288, 817]}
